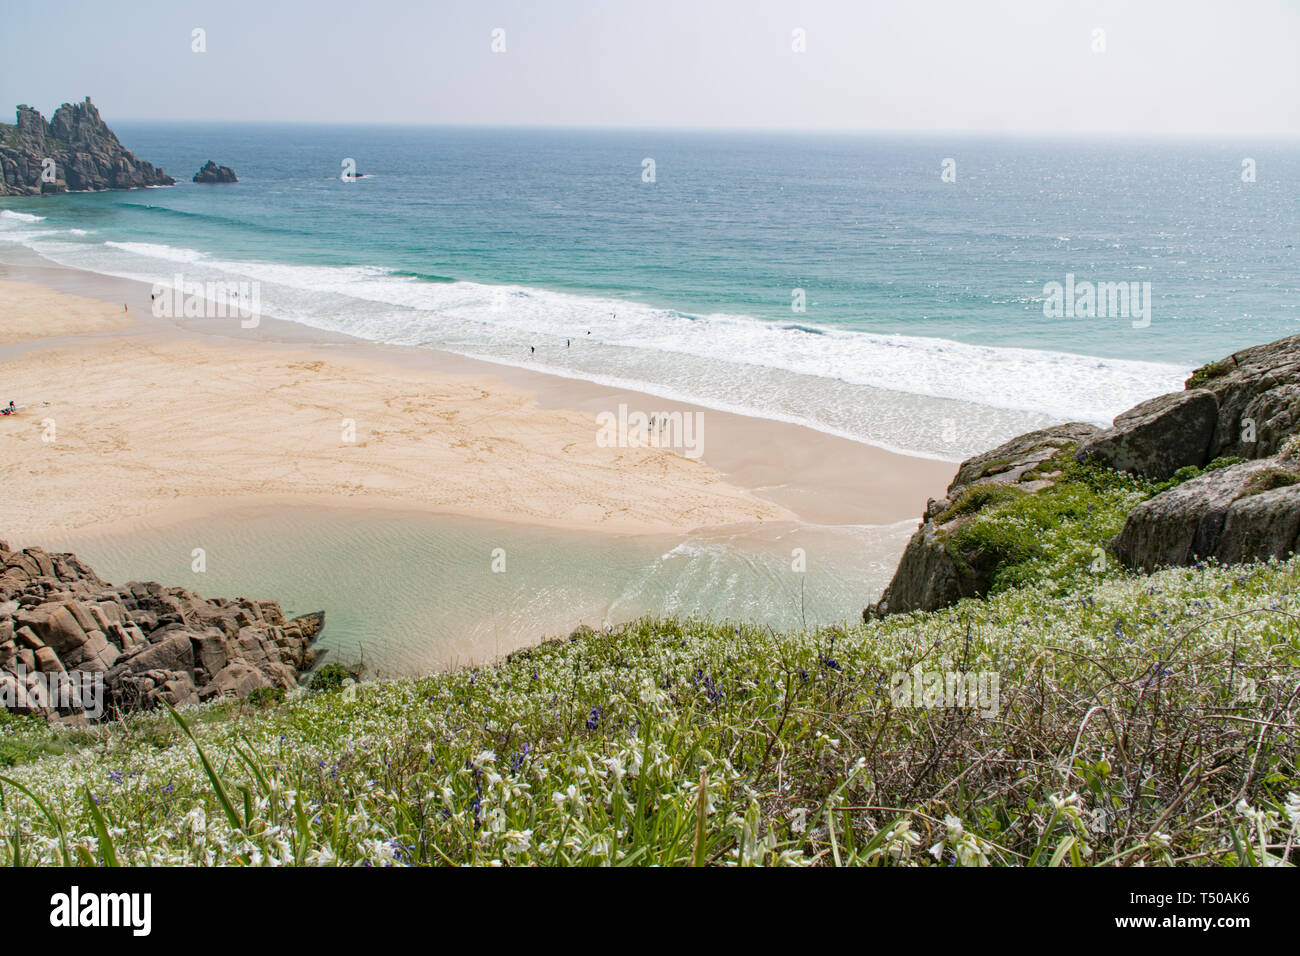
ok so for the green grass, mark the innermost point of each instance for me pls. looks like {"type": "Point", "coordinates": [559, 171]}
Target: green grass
{"type": "Point", "coordinates": [1125, 734]}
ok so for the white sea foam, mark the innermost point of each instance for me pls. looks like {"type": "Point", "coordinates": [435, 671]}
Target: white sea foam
{"type": "Point", "coordinates": [20, 216]}
{"type": "Point", "coordinates": [153, 250]}
{"type": "Point", "coordinates": [929, 396]}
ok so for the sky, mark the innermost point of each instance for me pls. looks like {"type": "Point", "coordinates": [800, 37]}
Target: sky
{"type": "Point", "coordinates": [1204, 68]}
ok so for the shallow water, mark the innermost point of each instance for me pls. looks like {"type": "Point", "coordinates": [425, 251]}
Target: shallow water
{"type": "Point", "coordinates": [409, 593]}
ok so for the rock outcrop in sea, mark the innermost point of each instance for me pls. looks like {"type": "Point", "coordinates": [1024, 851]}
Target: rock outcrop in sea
{"type": "Point", "coordinates": [150, 643]}
{"type": "Point", "coordinates": [212, 173]}
{"type": "Point", "coordinates": [75, 150]}
{"type": "Point", "coordinates": [1246, 406]}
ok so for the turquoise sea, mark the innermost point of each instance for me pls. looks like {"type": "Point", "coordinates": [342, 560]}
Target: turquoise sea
{"type": "Point", "coordinates": [923, 326]}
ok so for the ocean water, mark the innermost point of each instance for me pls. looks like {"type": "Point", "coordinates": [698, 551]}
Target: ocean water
{"type": "Point", "coordinates": [923, 328]}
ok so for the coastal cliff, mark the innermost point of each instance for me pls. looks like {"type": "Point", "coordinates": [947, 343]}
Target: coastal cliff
{"type": "Point", "coordinates": [151, 643]}
{"type": "Point", "coordinates": [1208, 473]}
{"type": "Point", "coordinates": [86, 154]}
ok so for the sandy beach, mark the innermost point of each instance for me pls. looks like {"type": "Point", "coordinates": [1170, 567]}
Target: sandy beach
{"type": "Point", "coordinates": [128, 415]}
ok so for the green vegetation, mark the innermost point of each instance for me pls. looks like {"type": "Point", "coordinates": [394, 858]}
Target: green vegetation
{"type": "Point", "coordinates": [1137, 720]}
{"type": "Point", "coordinates": [266, 695]}
{"type": "Point", "coordinates": [23, 739]}
{"type": "Point", "coordinates": [1270, 478]}
{"type": "Point", "coordinates": [330, 677]}
{"type": "Point", "coordinates": [1188, 472]}
{"type": "Point", "coordinates": [977, 499]}
{"type": "Point", "coordinates": [1224, 461]}
{"type": "Point", "coordinates": [1209, 371]}
{"type": "Point", "coordinates": [1054, 539]}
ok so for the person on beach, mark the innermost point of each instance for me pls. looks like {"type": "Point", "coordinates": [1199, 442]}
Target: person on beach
{"type": "Point", "coordinates": [9, 410]}
{"type": "Point", "coordinates": [532, 350]}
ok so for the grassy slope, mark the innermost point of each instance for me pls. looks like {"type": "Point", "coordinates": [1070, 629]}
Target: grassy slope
{"type": "Point", "coordinates": [1140, 720]}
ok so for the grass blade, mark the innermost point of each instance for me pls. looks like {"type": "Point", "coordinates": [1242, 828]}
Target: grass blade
{"type": "Point", "coordinates": [101, 830]}
{"type": "Point", "coordinates": [223, 797]}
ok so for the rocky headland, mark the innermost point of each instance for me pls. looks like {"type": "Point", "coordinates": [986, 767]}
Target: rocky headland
{"type": "Point", "coordinates": [1222, 455]}
{"type": "Point", "coordinates": [85, 154]}
{"type": "Point", "coordinates": [150, 643]}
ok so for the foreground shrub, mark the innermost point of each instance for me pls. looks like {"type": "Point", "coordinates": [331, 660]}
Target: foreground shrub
{"type": "Point", "coordinates": [330, 677]}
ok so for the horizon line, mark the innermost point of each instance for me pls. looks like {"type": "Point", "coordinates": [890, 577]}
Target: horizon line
{"type": "Point", "coordinates": [1017, 133]}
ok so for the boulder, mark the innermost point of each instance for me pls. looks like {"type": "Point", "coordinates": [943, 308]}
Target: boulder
{"type": "Point", "coordinates": [1158, 437]}
{"type": "Point", "coordinates": [177, 690]}
{"type": "Point", "coordinates": [239, 680]}
{"type": "Point", "coordinates": [1258, 393]}
{"type": "Point", "coordinates": [96, 655]}
{"type": "Point", "coordinates": [1009, 461]}
{"type": "Point", "coordinates": [926, 577]}
{"type": "Point", "coordinates": [55, 625]}
{"type": "Point", "coordinates": [27, 638]}
{"type": "Point", "coordinates": [175, 653]}
{"type": "Point", "coordinates": [48, 662]}
{"type": "Point", "coordinates": [210, 649]}
{"type": "Point", "coordinates": [14, 695]}
{"type": "Point", "coordinates": [1240, 513]}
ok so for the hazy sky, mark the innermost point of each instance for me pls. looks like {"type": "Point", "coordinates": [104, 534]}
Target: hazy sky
{"type": "Point", "coordinates": [1202, 67]}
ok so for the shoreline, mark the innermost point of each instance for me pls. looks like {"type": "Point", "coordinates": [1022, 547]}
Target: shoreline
{"type": "Point", "coordinates": [782, 471]}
